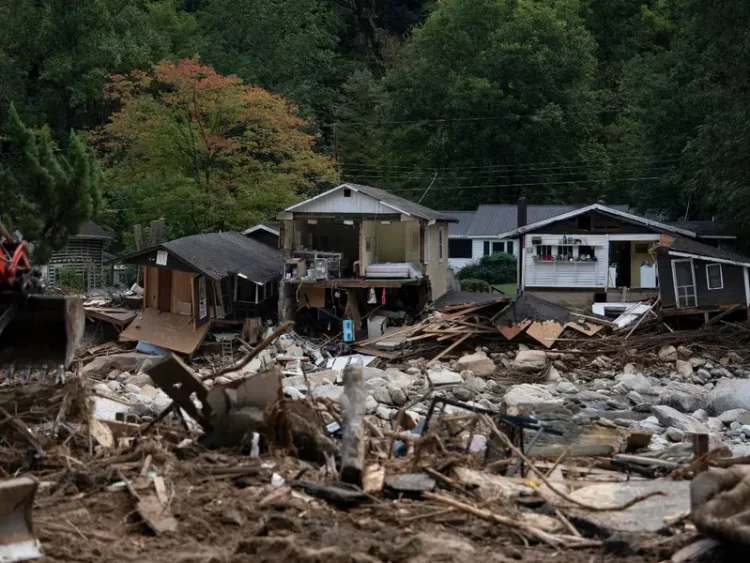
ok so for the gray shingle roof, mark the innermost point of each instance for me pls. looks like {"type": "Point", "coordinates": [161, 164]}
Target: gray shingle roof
{"type": "Point", "coordinates": [410, 207]}
{"type": "Point", "coordinates": [490, 220]}
{"type": "Point", "coordinates": [690, 246]}
{"type": "Point", "coordinates": [465, 219]}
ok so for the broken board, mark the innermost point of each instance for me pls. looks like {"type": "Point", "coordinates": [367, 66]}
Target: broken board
{"type": "Point", "coordinates": [167, 330]}
{"type": "Point", "coordinates": [510, 332]}
{"type": "Point", "coordinates": [178, 381]}
{"type": "Point", "coordinates": [545, 332]}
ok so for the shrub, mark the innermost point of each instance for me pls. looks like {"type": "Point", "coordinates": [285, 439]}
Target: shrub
{"type": "Point", "coordinates": [68, 279]}
{"type": "Point", "coordinates": [476, 286]}
{"type": "Point", "coordinates": [493, 269]}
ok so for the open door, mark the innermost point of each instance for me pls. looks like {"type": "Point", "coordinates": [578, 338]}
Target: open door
{"type": "Point", "coordinates": [684, 283]}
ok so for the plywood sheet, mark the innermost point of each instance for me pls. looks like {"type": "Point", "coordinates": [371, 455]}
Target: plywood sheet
{"type": "Point", "coordinates": [168, 330]}
{"type": "Point", "coordinates": [545, 332]}
{"type": "Point", "coordinates": [510, 332]}
{"type": "Point", "coordinates": [151, 288]}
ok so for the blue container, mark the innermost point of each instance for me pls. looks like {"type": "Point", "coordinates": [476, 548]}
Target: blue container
{"type": "Point", "coordinates": [348, 329]}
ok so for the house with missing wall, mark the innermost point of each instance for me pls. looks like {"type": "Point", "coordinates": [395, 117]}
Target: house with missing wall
{"type": "Point", "coordinates": [478, 233]}
{"type": "Point", "coordinates": [354, 245]}
{"type": "Point", "coordinates": [199, 281]}
{"type": "Point", "coordinates": [602, 254]}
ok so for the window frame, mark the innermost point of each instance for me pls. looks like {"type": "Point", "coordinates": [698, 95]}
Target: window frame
{"type": "Point", "coordinates": [466, 248]}
{"type": "Point", "coordinates": [721, 277]}
{"type": "Point", "coordinates": [441, 245]}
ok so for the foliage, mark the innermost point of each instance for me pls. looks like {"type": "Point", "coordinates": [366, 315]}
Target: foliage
{"type": "Point", "coordinates": [47, 193]}
{"type": "Point", "coordinates": [475, 286]}
{"type": "Point", "coordinates": [55, 56]}
{"type": "Point", "coordinates": [204, 150]}
{"type": "Point", "coordinates": [67, 278]}
{"type": "Point", "coordinates": [494, 269]}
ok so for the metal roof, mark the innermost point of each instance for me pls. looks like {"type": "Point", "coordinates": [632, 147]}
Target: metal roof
{"type": "Point", "coordinates": [460, 229]}
{"type": "Point", "coordinates": [272, 228]}
{"type": "Point", "coordinates": [218, 255]}
{"type": "Point", "coordinates": [704, 228]}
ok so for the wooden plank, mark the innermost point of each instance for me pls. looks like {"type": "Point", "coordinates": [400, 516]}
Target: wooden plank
{"type": "Point", "coordinates": [168, 330]}
{"type": "Point", "coordinates": [449, 348]}
{"type": "Point", "coordinates": [510, 332]}
{"type": "Point", "coordinates": [182, 291]}
{"type": "Point", "coordinates": [590, 331]}
{"type": "Point", "coordinates": [545, 332]}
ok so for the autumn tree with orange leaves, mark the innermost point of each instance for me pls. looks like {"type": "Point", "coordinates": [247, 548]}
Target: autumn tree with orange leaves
{"type": "Point", "coordinates": [204, 150]}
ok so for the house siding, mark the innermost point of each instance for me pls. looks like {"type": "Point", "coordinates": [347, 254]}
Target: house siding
{"type": "Point", "coordinates": [335, 202]}
{"type": "Point", "coordinates": [566, 274]}
{"type": "Point", "coordinates": [733, 292]}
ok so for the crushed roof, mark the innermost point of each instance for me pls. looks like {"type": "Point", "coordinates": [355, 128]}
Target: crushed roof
{"type": "Point", "coordinates": [690, 246]}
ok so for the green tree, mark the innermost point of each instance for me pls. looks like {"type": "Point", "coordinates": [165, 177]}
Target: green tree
{"type": "Point", "coordinates": [47, 192]}
{"type": "Point", "coordinates": [56, 55]}
{"type": "Point", "coordinates": [204, 150]}
{"type": "Point", "coordinates": [511, 83]}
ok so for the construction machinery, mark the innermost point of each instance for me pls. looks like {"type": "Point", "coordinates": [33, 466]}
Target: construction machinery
{"type": "Point", "coordinates": [37, 331]}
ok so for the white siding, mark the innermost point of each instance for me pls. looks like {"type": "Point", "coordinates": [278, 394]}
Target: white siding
{"type": "Point", "coordinates": [566, 274]}
{"type": "Point", "coordinates": [337, 203]}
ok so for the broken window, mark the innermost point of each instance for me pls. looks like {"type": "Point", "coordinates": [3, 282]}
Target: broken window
{"type": "Point", "coordinates": [459, 248]}
{"type": "Point", "coordinates": [715, 276]}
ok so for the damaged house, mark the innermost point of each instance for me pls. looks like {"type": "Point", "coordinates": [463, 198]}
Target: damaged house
{"type": "Point", "coordinates": [362, 242]}
{"type": "Point", "coordinates": [603, 254]}
{"type": "Point", "coordinates": [202, 280]}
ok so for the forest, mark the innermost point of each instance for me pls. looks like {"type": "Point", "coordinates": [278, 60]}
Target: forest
{"type": "Point", "coordinates": [215, 114]}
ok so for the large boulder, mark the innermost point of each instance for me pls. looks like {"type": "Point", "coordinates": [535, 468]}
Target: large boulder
{"type": "Point", "coordinates": [531, 398]}
{"type": "Point", "coordinates": [530, 360]}
{"type": "Point", "coordinates": [729, 395]}
{"type": "Point", "coordinates": [478, 363]}
{"type": "Point", "coordinates": [627, 382]}
{"type": "Point", "coordinates": [667, 416]}
{"type": "Point", "coordinates": [685, 397]}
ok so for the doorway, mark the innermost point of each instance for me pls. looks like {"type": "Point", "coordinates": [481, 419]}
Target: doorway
{"type": "Point", "coordinates": [619, 254]}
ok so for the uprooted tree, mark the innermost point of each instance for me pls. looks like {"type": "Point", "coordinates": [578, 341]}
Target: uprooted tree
{"type": "Point", "coordinates": [205, 150]}
{"type": "Point", "coordinates": [47, 192]}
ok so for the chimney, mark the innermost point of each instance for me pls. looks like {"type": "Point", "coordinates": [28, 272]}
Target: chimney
{"type": "Point", "coordinates": [522, 215]}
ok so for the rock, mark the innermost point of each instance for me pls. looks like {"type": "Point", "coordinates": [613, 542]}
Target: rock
{"type": "Point", "coordinates": [398, 397]}
{"type": "Point", "coordinates": [592, 396]}
{"type": "Point", "coordinates": [658, 443]}
{"type": "Point", "coordinates": [477, 384]}
{"type": "Point", "coordinates": [530, 360]}
{"type": "Point", "coordinates": [735, 425]}
{"type": "Point", "coordinates": [530, 397]}
{"type": "Point", "coordinates": [667, 416]}
{"type": "Point", "coordinates": [714, 424]}
{"type": "Point", "coordinates": [444, 377]}
{"type": "Point", "coordinates": [129, 361]}
{"type": "Point", "coordinates": [478, 363]}
{"type": "Point", "coordinates": [697, 362]}
{"type": "Point", "coordinates": [371, 404]}
{"type": "Point", "coordinates": [413, 371]}
{"type": "Point", "coordinates": [635, 396]}
{"type": "Point", "coordinates": [684, 368]}
{"type": "Point", "coordinates": [731, 416]}
{"type": "Point", "coordinates": [114, 386]}
{"type": "Point", "coordinates": [400, 379]}
{"type": "Point", "coordinates": [745, 430]}
{"type": "Point", "coordinates": [668, 353]}
{"type": "Point", "coordinates": [701, 416]}
{"type": "Point", "coordinates": [463, 393]}
{"type": "Point", "coordinates": [728, 395]}
{"type": "Point", "coordinates": [102, 388]}
{"type": "Point", "coordinates": [382, 395]}
{"type": "Point", "coordinates": [553, 376]}
{"type": "Point", "coordinates": [627, 382]}
{"type": "Point", "coordinates": [701, 377]}
{"type": "Point", "coordinates": [566, 387]}
{"type": "Point", "coordinates": [684, 351]}
{"type": "Point", "coordinates": [384, 413]}
{"type": "Point", "coordinates": [685, 397]}
{"type": "Point", "coordinates": [523, 348]}
{"type": "Point", "coordinates": [332, 392]}
{"type": "Point", "coordinates": [160, 403]}
{"type": "Point", "coordinates": [130, 388]}
{"type": "Point", "coordinates": [674, 434]}
{"type": "Point", "coordinates": [140, 380]}
{"type": "Point", "coordinates": [629, 368]}
{"type": "Point", "coordinates": [114, 374]}
{"type": "Point", "coordinates": [148, 391]}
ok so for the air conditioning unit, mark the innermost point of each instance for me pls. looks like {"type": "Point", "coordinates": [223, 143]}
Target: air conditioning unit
{"type": "Point", "coordinates": [536, 240]}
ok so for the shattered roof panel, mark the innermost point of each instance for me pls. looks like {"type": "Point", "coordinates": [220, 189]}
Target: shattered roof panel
{"type": "Point", "coordinates": [218, 255]}
{"type": "Point", "coordinates": [689, 246]}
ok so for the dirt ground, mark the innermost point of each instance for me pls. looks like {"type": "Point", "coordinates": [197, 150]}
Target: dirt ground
{"type": "Point", "coordinates": [230, 519]}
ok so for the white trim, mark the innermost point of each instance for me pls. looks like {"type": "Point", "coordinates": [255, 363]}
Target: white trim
{"type": "Point", "coordinates": [708, 258]}
{"type": "Point", "coordinates": [721, 277]}
{"type": "Point", "coordinates": [342, 186]}
{"type": "Point", "coordinates": [257, 227]}
{"type": "Point", "coordinates": [747, 286]}
{"type": "Point", "coordinates": [296, 205]}
{"type": "Point", "coordinates": [596, 207]}
{"type": "Point", "coordinates": [635, 238]}
{"type": "Point", "coordinates": [674, 282]}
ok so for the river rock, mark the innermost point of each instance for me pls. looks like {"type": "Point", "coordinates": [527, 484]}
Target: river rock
{"type": "Point", "coordinates": [553, 376]}
{"type": "Point", "coordinates": [332, 392]}
{"type": "Point", "coordinates": [701, 416]}
{"type": "Point", "coordinates": [382, 395]}
{"type": "Point", "coordinates": [140, 380]}
{"type": "Point", "coordinates": [477, 384]}
{"type": "Point", "coordinates": [444, 377]}
{"type": "Point", "coordinates": [685, 397]}
{"type": "Point", "coordinates": [627, 382]}
{"type": "Point", "coordinates": [114, 386]}
{"type": "Point", "coordinates": [728, 395]}
{"type": "Point", "coordinates": [667, 416]}
{"type": "Point", "coordinates": [478, 363]}
{"type": "Point", "coordinates": [531, 397]}
{"type": "Point", "coordinates": [674, 434]}
{"type": "Point", "coordinates": [398, 397]}
{"type": "Point", "coordinates": [668, 353]}
{"type": "Point", "coordinates": [463, 393]}
{"type": "Point", "coordinates": [684, 368]}
{"type": "Point", "coordinates": [371, 404]}
{"type": "Point", "coordinates": [530, 360]}
{"type": "Point", "coordinates": [731, 416]}
{"type": "Point", "coordinates": [566, 387]}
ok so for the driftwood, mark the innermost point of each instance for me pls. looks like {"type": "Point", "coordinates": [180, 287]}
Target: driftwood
{"type": "Point", "coordinates": [353, 425]}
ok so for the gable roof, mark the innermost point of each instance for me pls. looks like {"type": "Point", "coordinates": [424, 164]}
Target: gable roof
{"type": "Point", "coordinates": [218, 255]}
{"type": "Point", "coordinates": [602, 209]}
{"type": "Point", "coordinates": [397, 203]}
{"type": "Point", "coordinates": [89, 229]}
{"type": "Point", "coordinates": [689, 248]}
{"type": "Point", "coordinates": [705, 228]}
{"type": "Point", "coordinates": [272, 228]}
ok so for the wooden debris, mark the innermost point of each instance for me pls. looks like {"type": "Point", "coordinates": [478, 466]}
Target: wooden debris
{"type": "Point", "coordinates": [353, 427]}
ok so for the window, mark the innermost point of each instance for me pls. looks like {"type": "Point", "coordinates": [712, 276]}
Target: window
{"type": "Point", "coordinates": [544, 251]}
{"type": "Point", "coordinates": [586, 252]}
{"type": "Point", "coordinates": [565, 251]}
{"type": "Point", "coordinates": [584, 222]}
{"type": "Point", "coordinates": [459, 248]}
{"type": "Point", "coordinates": [498, 247]}
{"type": "Point", "coordinates": [347, 192]}
{"type": "Point", "coordinates": [509, 246]}
{"type": "Point", "coordinates": [714, 276]}
{"type": "Point", "coordinates": [440, 244]}
{"type": "Point", "coordinates": [684, 283]}
{"type": "Point", "coordinates": [486, 251]}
